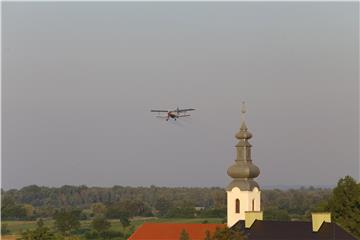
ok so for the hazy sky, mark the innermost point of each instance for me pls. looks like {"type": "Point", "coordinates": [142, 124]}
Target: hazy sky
{"type": "Point", "coordinates": [79, 80]}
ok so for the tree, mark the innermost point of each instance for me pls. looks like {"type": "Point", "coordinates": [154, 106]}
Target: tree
{"type": "Point", "coordinates": [207, 235]}
{"type": "Point", "coordinates": [29, 210]}
{"type": "Point", "coordinates": [184, 235]}
{"type": "Point", "coordinates": [228, 234]}
{"type": "Point", "coordinates": [100, 224]}
{"type": "Point", "coordinates": [237, 234]}
{"type": "Point", "coordinates": [40, 233]}
{"type": "Point", "coordinates": [219, 199]}
{"type": "Point", "coordinates": [276, 214]}
{"type": "Point", "coordinates": [181, 212]}
{"type": "Point", "coordinates": [124, 219]}
{"type": "Point", "coordinates": [344, 205]}
{"type": "Point", "coordinates": [65, 221]}
{"type": "Point", "coordinates": [163, 206]}
{"type": "Point", "coordinates": [40, 223]}
{"type": "Point", "coordinates": [11, 210]}
{"type": "Point", "coordinates": [131, 207]}
{"type": "Point", "coordinates": [99, 209]}
{"type": "Point", "coordinates": [111, 234]}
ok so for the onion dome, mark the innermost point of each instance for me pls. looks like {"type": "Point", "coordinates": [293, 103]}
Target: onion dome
{"type": "Point", "coordinates": [243, 170]}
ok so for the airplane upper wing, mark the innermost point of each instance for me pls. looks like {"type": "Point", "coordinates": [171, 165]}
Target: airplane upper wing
{"type": "Point", "coordinates": [186, 110]}
{"type": "Point", "coordinates": [158, 111]}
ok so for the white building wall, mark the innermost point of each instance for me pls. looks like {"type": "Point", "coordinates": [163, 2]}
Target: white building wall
{"type": "Point", "coordinates": [246, 204]}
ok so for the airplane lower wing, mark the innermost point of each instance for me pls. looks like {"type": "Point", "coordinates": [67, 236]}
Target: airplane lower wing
{"type": "Point", "coordinates": [162, 117]}
{"type": "Point", "coordinates": [186, 115]}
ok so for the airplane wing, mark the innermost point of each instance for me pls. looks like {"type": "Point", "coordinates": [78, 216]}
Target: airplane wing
{"type": "Point", "coordinates": [186, 110]}
{"type": "Point", "coordinates": [158, 111]}
{"type": "Point", "coordinates": [186, 115]}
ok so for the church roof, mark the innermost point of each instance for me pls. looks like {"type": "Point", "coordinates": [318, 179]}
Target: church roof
{"type": "Point", "coordinates": [292, 230]}
{"type": "Point", "coordinates": [171, 231]}
{"type": "Point", "coordinates": [244, 185]}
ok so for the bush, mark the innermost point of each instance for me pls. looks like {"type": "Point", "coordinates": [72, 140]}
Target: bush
{"type": "Point", "coordinates": [109, 234]}
{"type": "Point", "coordinates": [81, 231]}
{"type": "Point", "coordinates": [91, 235]}
{"type": "Point", "coordinates": [4, 229]}
{"type": "Point", "coordinates": [100, 224]}
{"type": "Point", "coordinates": [213, 213]}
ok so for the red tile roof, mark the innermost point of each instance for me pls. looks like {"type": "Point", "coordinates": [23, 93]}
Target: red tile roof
{"type": "Point", "coordinates": [171, 231]}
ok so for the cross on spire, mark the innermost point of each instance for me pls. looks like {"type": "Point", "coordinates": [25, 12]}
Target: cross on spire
{"type": "Point", "coordinates": [243, 107]}
{"type": "Point", "coordinates": [242, 117]}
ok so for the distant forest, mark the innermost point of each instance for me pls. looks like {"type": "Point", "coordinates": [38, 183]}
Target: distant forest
{"type": "Point", "coordinates": [32, 202]}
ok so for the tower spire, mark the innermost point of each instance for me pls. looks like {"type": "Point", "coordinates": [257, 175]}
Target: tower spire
{"type": "Point", "coordinates": [243, 192]}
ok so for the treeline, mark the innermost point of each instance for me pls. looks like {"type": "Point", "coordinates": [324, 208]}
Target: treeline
{"type": "Point", "coordinates": [82, 196]}
{"type": "Point", "coordinates": [33, 202]}
{"type": "Point", "coordinates": [293, 204]}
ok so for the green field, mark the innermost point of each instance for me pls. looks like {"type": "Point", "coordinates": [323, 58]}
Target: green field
{"type": "Point", "coordinates": [16, 227]}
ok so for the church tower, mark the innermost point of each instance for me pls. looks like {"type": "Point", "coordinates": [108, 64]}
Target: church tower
{"type": "Point", "coordinates": [243, 193]}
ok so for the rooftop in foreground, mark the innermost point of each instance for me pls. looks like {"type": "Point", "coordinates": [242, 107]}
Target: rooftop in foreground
{"type": "Point", "coordinates": [260, 230]}
{"type": "Point", "coordinates": [171, 231]}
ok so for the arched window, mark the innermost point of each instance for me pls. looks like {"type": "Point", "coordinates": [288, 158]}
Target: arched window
{"type": "Point", "coordinates": [253, 204]}
{"type": "Point", "coordinates": [237, 206]}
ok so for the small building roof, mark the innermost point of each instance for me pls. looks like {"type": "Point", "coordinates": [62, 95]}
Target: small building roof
{"type": "Point", "coordinates": [292, 230]}
{"type": "Point", "coordinates": [171, 231]}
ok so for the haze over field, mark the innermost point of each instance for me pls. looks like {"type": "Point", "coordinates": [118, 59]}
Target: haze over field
{"type": "Point", "coordinates": [79, 80]}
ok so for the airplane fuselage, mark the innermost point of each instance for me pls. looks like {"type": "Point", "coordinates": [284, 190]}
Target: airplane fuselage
{"type": "Point", "coordinates": [172, 115]}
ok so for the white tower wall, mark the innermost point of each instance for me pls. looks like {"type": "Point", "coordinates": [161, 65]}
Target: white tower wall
{"type": "Point", "coordinates": [249, 201]}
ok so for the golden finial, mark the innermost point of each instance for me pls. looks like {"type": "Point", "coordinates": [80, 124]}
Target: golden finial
{"type": "Point", "coordinates": [243, 133]}
{"type": "Point", "coordinates": [243, 111]}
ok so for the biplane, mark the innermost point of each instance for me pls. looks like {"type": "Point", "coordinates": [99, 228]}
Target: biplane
{"type": "Point", "coordinates": [173, 114]}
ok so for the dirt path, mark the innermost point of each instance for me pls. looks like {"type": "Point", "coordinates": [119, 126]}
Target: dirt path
{"type": "Point", "coordinates": [8, 237]}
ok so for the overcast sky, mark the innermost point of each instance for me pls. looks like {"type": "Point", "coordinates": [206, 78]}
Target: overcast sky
{"type": "Point", "coordinates": [79, 80]}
